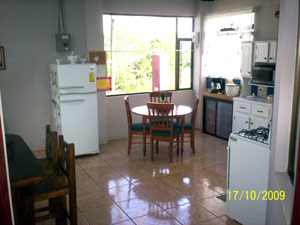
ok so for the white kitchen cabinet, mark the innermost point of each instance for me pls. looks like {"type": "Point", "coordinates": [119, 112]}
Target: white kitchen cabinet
{"type": "Point", "coordinates": [265, 51]}
{"type": "Point", "coordinates": [240, 122]}
{"type": "Point", "coordinates": [250, 114]}
{"type": "Point", "coordinates": [261, 52]}
{"type": "Point", "coordinates": [256, 122]}
{"type": "Point", "coordinates": [246, 58]}
{"type": "Point", "coordinates": [273, 51]}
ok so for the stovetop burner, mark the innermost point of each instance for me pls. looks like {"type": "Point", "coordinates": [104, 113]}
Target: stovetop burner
{"type": "Point", "coordinates": [260, 134]}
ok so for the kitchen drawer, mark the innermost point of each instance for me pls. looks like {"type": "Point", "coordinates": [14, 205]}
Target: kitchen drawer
{"type": "Point", "coordinates": [261, 111]}
{"type": "Point", "coordinates": [243, 107]}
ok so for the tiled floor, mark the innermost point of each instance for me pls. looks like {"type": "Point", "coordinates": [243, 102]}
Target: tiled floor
{"type": "Point", "coordinates": [116, 188]}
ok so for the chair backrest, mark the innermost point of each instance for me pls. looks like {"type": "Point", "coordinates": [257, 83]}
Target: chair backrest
{"type": "Point", "coordinates": [194, 115]}
{"type": "Point", "coordinates": [128, 112]}
{"type": "Point", "coordinates": [67, 167]}
{"type": "Point", "coordinates": [161, 116]}
{"type": "Point", "coordinates": [156, 96]}
{"type": "Point", "coordinates": [67, 160]}
{"type": "Point", "coordinates": [51, 146]}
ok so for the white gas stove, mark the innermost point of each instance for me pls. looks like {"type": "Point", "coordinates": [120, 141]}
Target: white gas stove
{"type": "Point", "coordinates": [247, 172]}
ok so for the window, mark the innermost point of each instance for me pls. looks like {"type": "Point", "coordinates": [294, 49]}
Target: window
{"type": "Point", "coordinates": [148, 53]}
{"type": "Point", "coordinates": [223, 35]}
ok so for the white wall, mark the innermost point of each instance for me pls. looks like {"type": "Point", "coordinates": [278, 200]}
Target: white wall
{"type": "Point", "coordinates": [117, 118]}
{"type": "Point", "coordinates": [27, 34]}
{"type": "Point", "coordinates": [94, 35]}
{"type": "Point", "coordinates": [199, 80]}
{"type": "Point", "coordinates": [283, 96]}
{"type": "Point", "coordinates": [266, 23]}
{"type": "Point", "coordinates": [153, 7]}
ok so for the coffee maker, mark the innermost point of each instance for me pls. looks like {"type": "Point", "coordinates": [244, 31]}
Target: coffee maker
{"type": "Point", "coordinates": [215, 85]}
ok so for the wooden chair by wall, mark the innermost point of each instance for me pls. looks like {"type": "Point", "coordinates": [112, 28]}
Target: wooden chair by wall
{"type": "Point", "coordinates": [135, 128]}
{"type": "Point", "coordinates": [156, 96]}
{"type": "Point", "coordinates": [161, 125]}
{"type": "Point", "coordinates": [189, 127]}
{"type": "Point", "coordinates": [50, 162]}
{"type": "Point", "coordinates": [56, 187]}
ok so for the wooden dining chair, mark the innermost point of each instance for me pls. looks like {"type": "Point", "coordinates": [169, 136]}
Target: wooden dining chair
{"type": "Point", "coordinates": [156, 96]}
{"type": "Point", "coordinates": [50, 162]}
{"type": "Point", "coordinates": [161, 125]}
{"type": "Point", "coordinates": [56, 187]}
{"type": "Point", "coordinates": [135, 128]}
{"type": "Point", "coordinates": [189, 127]}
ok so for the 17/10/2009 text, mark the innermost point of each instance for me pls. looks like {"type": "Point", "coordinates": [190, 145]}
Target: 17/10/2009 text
{"type": "Point", "coordinates": [255, 195]}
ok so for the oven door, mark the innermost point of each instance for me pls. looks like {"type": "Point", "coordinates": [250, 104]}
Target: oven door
{"type": "Point", "coordinates": [263, 75]}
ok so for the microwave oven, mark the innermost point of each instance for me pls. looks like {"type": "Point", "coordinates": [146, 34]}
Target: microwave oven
{"type": "Point", "coordinates": [264, 75]}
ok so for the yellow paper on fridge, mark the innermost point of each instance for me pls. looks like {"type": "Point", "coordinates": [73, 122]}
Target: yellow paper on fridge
{"type": "Point", "coordinates": [92, 77]}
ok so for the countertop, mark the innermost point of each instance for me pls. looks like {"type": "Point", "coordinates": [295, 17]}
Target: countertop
{"type": "Point", "coordinates": [260, 100]}
{"type": "Point", "coordinates": [218, 96]}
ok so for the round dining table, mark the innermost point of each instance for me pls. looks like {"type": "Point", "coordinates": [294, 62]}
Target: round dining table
{"type": "Point", "coordinates": [179, 112]}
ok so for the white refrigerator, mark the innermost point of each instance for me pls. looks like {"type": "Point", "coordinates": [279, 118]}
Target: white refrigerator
{"type": "Point", "coordinates": [74, 105]}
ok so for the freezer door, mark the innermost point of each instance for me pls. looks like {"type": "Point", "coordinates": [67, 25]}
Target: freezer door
{"type": "Point", "coordinates": [77, 78]}
{"type": "Point", "coordinates": [79, 122]}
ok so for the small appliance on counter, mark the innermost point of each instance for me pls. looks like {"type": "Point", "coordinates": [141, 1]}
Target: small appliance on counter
{"type": "Point", "coordinates": [215, 85]}
{"type": "Point", "coordinates": [232, 90]}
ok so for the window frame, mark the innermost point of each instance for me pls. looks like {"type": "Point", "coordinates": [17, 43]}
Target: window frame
{"type": "Point", "coordinates": [177, 41]}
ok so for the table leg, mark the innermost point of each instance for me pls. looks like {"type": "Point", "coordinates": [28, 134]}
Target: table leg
{"type": "Point", "coordinates": [144, 134]}
{"type": "Point", "coordinates": [182, 134]}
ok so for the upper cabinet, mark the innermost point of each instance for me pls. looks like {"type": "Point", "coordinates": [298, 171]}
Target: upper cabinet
{"type": "Point", "coordinates": [265, 51]}
{"type": "Point", "coordinates": [246, 58]}
{"type": "Point", "coordinates": [261, 51]}
{"type": "Point", "coordinates": [273, 51]}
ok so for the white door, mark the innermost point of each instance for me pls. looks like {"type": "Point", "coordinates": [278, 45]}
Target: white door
{"type": "Point", "coordinates": [240, 122]}
{"type": "Point", "coordinates": [273, 52]}
{"type": "Point", "coordinates": [261, 51]}
{"type": "Point", "coordinates": [256, 122]}
{"type": "Point", "coordinates": [246, 59]}
{"type": "Point", "coordinates": [79, 122]}
{"type": "Point", "coordinates": [248, 172]}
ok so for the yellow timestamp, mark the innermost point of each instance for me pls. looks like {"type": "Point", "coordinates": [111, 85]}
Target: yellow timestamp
{"type": "Point", "coordinates": [255, 195]}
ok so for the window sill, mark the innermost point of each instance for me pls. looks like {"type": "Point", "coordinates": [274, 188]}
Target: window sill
{"type": "Point", "coordinates": [143, 93]}
{"type": "Point", "coordinates": [284, 184]}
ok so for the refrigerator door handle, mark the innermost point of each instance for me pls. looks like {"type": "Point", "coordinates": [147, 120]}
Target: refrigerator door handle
{"type": "Point", "coordinates": [70, 87]}
{"type": "Point", "coordinates": [78, 93]}
{"type": "Point", "coordinates": [73, 100]}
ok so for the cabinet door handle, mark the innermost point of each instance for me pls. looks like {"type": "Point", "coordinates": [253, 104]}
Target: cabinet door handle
{"type": "Point", "coordinates": [242, 107]}
{"type": "Point", "coordinates": [249, 72]}
{"type": "Point", "coordinates": [271, 57]}
{"type": "Point", "coordinates": [246, 121]}
{"type": "Point", "coordinates": [260, 111]}
{"type": "Point", "coordinates": [251, 123]}
{"type": "Point", "coordinates": [265, 58]}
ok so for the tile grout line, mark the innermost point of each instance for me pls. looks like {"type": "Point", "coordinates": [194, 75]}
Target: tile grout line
{"type": "Point", "coordinates": [107, 196]}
